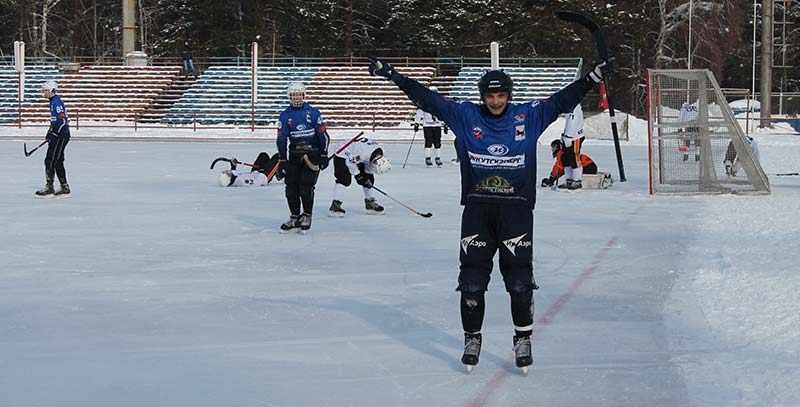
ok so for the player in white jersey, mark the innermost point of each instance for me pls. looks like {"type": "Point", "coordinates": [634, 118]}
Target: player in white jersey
{"type": "Point", "coordinates": [688, 114]}
{"type": "Point", "coordinates": [572, 139]}
{"type": "Point", "coordinates": [432, 130]}
{"type": "Point", "coordinates": [360, 160]}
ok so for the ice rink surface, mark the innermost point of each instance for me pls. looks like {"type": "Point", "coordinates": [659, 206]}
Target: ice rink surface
{"type": "Point", "coordinates": [152, 286]}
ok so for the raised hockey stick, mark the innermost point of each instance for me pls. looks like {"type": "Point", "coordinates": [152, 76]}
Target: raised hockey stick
{"type": "Point", "coordinates": [409, 147]}
{"type": "Point", "coordinates": [424, 215]}
{"type": "Point", "coordinates": [28, 153]}
{"type": "Point", "coordinates": [602, 53]}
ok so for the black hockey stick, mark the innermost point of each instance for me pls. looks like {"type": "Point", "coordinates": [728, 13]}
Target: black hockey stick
{"type": "Point", "coordinates": [424, 215]}
{"type": "Point", "coordinates": [786, 174]}
{"type": "Point", "coordinates": [602, 53]}
{"type": "Point", "coordinates": [227, 160]}
{"type": "Point", "coordinates": [28, 153]}
{"type": "Point", "coordinates": [409, 147]}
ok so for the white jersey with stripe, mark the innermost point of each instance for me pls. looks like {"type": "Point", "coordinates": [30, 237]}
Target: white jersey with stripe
{"type": "Point", "coordinates": [573, 128]}
{"type": "Point", "coordinates": [427, 120]}
{"type": "Point", "coordinates": [359, 152]}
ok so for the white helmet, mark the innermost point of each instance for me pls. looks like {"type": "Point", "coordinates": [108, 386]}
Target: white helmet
{"type": "Point", "coordinates": [49, 88]}
{"type": "Point", "coordinates": [297, 94]}
{"type": "Point", "coordinates": [382, 165]}
{"type": "Point", "coordinates": [226, 178]}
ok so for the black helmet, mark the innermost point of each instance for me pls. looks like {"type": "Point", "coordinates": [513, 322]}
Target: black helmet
{"type": "Point", "coordinates": [555, 146]}
{"type": "Point", "coordinates": [495, 81]}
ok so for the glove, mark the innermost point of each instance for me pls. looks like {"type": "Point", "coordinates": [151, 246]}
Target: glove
{"type": "Point", "coordinates": [446, 129]}
{"type": "Point", "coordinates": [323, 161]}
{"type": "Point", "coordinates": [50, 134]}
{"type": "Point", "coordinates": [282, 168]}
{"type": "Point", "coordinates": [380, 68]}
{"type": "Point", "coordinates": [548, 182]}
{"type": "Point", "coordinates": [365, 180]}
{"type": "Point", "coordinates": [601, 70]}
{"type": "Point", "coordinates": [416, 127]}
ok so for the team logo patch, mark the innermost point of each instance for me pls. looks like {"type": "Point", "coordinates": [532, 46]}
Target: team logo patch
{"type": "Point", "coordinates": [498, 150]}
{"type": "Point", "coordinates": [301, 127]}
{"type": "Point", "coordinates": [519, 133]}
{"type": "Point", "coordinates": [514, 242]}
{"type": "Point", "coordinates": [470, 241]}
{"type": "Point", "coordinates": [477, 132]}
{"type": "Point", "coordinates": [495, 185]}
{"type": "Point", "coordinates": [535, 103]}
{"type": "Point", "coordinates": [520, 117]}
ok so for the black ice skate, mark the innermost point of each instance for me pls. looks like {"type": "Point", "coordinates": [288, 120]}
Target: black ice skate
{"type": "Point", "coordinates": [428, 162]}
{"type": "Point", "coordinates": [438, 162]}
{"type": "Point", "coordinates": [576, 184]}
{"type": "Point", "coordinates": [522, 352]}
{"type": "Point", "coordinates": [305, 222]}
{"type": "Point", "coordinates": [291, 225]}
{"type": "Point", "coordinates": [336, 209]}
{"type": "Point", "coordinates": [472, 350]}
{"type": "Point", "coordinates": [373, 208]}
{"type": "Point", "coordinates": [63, 192]}
{"type": "Point", "coordinates": [46, 192]}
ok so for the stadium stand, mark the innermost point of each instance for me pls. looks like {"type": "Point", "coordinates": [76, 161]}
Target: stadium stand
{"type": "Point", "coordinates": [9, 84]}
{"type": "Point", "coordinates": [106, 93]}
{"type": "Point", "coordinates": [347, 96]}
{"type": "Point", "coordinates": [530, 83]}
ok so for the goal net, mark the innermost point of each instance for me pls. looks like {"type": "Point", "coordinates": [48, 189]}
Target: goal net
{"type": "Point", "coordinates": [696, 146]}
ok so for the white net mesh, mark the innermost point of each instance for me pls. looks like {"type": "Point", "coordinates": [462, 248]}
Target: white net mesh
{"type": "Point", "coordinates": [692, 135]}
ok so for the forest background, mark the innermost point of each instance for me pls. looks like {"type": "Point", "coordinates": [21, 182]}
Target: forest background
{"type": "Point", "coordinates": [642, 33]}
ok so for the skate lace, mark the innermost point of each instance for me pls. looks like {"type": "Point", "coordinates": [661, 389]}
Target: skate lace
{"type": "Point", "coordinates": [523, 347]}
{"type": "Point", "coordinates": [472, 346]}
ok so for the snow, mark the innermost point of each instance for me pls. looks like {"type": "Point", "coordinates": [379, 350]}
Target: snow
{"type": "Point", "coordinates": [153, 286]}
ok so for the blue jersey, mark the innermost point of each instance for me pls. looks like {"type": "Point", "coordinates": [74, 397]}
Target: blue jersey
{"type": "Point", "coordinates": [59, 122]}
{"type": "Point", "coordinates": [302, 131]}
{"type": "Point", "coordinates": [498, 153]}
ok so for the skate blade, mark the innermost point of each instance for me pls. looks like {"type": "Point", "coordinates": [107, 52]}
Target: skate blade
{"type": "Point", "coordinates": [524, 370]}
{"type": "Point", "coordinates": [51, 196]}
{"type": "Point", "coordinates": [470, 368]}
{"type": "Point", "coordinates": [63, 196]}
{"type": "Point", "coordinates": [376, 213]}
{"type": "Point", "coordinates": [286, 232]}
{"type": "Point", "coordinates": [335, 215]}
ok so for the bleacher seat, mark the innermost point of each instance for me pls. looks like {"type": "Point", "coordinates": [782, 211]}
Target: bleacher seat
{"type": "Point", "coordinates": [530, 83]}
{"type": "Point", "coordinates": [35, 75]}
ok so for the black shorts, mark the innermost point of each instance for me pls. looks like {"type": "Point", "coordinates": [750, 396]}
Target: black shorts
{"type": "Point", "coordinates": [487, 228]}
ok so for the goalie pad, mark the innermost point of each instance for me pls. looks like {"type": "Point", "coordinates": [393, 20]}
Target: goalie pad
{"type": "Point", "coordinates": [601, 180]}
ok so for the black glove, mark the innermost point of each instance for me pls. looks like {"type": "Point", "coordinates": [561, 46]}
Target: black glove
{"type": "Point", "coordinates": [365, 180]}
{"type": "Point", "coordinates": [380, 68]}
{"type": "Point", "coordinates": [548, 182]}
{"type": "Point", "coordinates": [282, 168]}
{"type": "Point", "coordinates": [601, 70]}
{"type": "Point", "coordinates": [446, 129]}
{"type": "Point", "coordinates": [50, 134]}
{"type": "Point", "coordinates": [323, 161]}
{"type": "Point", "coordinates": [416, 127]}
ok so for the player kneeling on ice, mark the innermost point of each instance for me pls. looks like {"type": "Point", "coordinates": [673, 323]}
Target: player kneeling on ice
{"type": "Point", "coordinates": [360, 160]}
{"type": "Point", "coordinates": [593, 178]}
{"type": "Point", "coordinates": [262, 171]}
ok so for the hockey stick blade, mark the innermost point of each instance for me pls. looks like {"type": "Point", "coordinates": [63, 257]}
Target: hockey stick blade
{"type": "Point", "coordinates": [29, 153]}
{"type": "Point", "coordinates": [600, 41]}
{"type": "Point", "coordinates": [218, 160]}
{"type": "Point", "coordinates": [424, 215]}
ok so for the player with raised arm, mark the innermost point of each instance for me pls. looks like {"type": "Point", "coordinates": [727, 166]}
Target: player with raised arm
{"type": "Point", "coordinates": [497, 146]}
{"type": "Point", "coordinates": [58, 136]}
{"type": "Point", "coordinates": [360, 160]}
{"type": "Point", "coordinates": [303, 145]}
